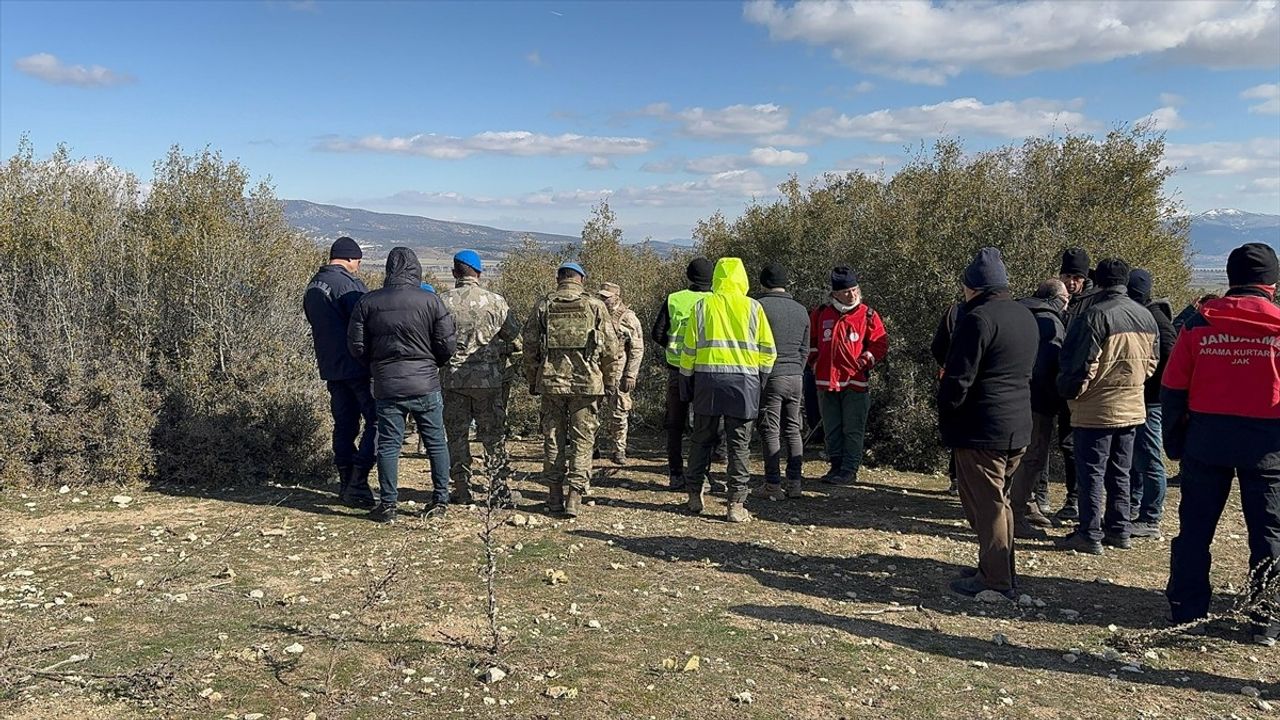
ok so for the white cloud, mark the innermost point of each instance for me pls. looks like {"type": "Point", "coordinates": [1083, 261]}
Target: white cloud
{"type": "Point", "coordinates": [668, 165]}
{"type": "Point", "coordinates": [1008, 119]}
{"type": "Point", "coordinates": [599, 162]}
{"type": "Point", "coordinates": [864, 86]}
{"type": "Point", "coordinates": [520, 143]}
{"type": "Point", "coordinates": [50, 69]}
{"type": "Point", "coordinates": [730, 186]}
{"type": "Point", "coordinates": [925, 42]}
{"type": "Point", "coordinates": [1259, 156]}
{"type": "Point", "coordinates": [786, 139]}
{"type": "Point", "coordinates": [734, 120]}
{"type": "Point", "coordinates": [1269, 94]}
{"type": "Point", "coordinates": [758, 157]}
{"type": "Point", "coordinates": [1162, 119]}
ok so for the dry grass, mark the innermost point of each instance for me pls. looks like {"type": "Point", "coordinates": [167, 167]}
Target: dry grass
{"type": "Point", "coordinates": [787, 608]}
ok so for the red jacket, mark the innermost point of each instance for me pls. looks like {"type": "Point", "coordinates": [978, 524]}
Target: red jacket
{"type": "Point", "coordinates": [844, 347]}
{"type": "Point", "coordinates": [1222, 383]}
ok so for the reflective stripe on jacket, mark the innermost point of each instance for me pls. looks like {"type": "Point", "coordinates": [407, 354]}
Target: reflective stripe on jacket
{"type": "Point", "coordinates": [679, 309]}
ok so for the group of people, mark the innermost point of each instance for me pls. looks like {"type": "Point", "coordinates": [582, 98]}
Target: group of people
{"type": "Point", "coordinates": [1091, 352]}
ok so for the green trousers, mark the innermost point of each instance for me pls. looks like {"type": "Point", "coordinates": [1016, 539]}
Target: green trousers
{"type": "Point", "coordinates": [844, 422]}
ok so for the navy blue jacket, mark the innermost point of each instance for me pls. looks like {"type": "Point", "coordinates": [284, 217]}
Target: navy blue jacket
{"type": "Point", "coordinates": [331, 296]}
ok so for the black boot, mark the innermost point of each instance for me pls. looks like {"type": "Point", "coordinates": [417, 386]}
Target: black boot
{"type": "Point", "coordinates": [357, 494]}
{"type": "Point", "coordinates": [344, 480]}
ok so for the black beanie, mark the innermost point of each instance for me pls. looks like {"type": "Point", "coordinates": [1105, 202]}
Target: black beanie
{"type": "Point", "coordinates": [986, 272]}
{"type": "Point", "coordinates": [1075, 261]}
{"type": "Point", "coordinates": [843, 278]}
{"type": "Point", "coordinates": [699, 271]}
{"type": "Point", "coordinates": [1140, 285]}
{"type": "Point", "coordinates": [1111, 272]}
{"type": "Point", "coordinates": [774, 276]}
{"type": "Point", "coordinates": [1252, 264]}
{"type": "Point", "coordinates": [344, 248]}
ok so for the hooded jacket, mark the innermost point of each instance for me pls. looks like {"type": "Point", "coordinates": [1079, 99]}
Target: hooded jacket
{"type": "Point", "coordinates": [1221, 392]}
{"type": "Point", "coordinates": [1162, 312]}
{"type": "Point", "coordinates": [329, 300]}
{"type": "Point", "coordinates": [984, 397]}
{"type": "Point", "coordinates": [1110, 350]}
{"type": "Point", "coordinates": [402, 334]}
{"type": "Point", "coordinates": [1045, 399]}
{"type": "Point", "coordinates": [728, 350]}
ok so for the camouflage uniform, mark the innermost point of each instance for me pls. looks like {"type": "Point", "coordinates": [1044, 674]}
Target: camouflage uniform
{"type": "Point", "coordinates": [571, 356]}
{"type": "Point", "coordinates": [617, 401]}
{"type": "Point", "coordinates": [488, 342]}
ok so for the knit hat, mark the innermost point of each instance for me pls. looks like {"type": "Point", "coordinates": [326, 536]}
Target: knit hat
{"type": "Point", "coordinates": [699, 271]}
{"type": "Point", "coordinates": [609, 290]}
{"type": "Point", "coordinates": [1075, 261]}
{"type": "Point", "coordinates": [843, 278]}
{"type": "Point", "coordinates": [986, 271]}
{"type": "Point", "coordinates": [1252, 264]}
{"type": "Point", "coordinates": [470, 258]}
{"type": "Point", "coordinates": [1140, 285]}
{"type": "Point", "coordinates": [344, 248]}
{"type": "Point", "coordinates": [572, 266]}
{"type": "Point", "coordinates": [774, 276]}
{"type": "Point", "coordinates": [1111, 272]}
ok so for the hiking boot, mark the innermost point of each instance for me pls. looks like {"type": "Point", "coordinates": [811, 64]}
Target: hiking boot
{"type": "Point", "coordinates": [841, 479]}
{"type": "Point", "coordinates": [619, 459]}
{"type": "Point", "coordinates": [1037, 519]}
{"type": "Point", "coordinates": [675, 481]}
{"type": "Point", "coordinates": [1081, 544]}
{"type": "Point", "coordinates": [356, 492]}
{"type": "Point", "coordinates": [737, 513]}
{"type": "Point", "coordinates": [344, 480]}
{"type": "Point", "coordinates": [794, 489]}
{"type": "Point", "coordinates": [436, 511]}
{"type": "Point", "coordinates": [719, 487]}
{"type": "Point", "coordinates": [555, 499]}
{"type": "Point", "coordinates": [694, 503]}
{"type": "Point", "coordinates": [770, 490]}
{"type": "Point", "coordinates": [1145, 530]}
{"type": "Point", "coordinates": [970, 586]}
{"type": "Point", "coordinates": [1121, 542]}
{"type": "Point", "coordinates": [383, 514]}
{"type": "Point", "coordinates": [1070, 510]}
{"type": "Point", "coordinates": [572, 503]}
{"type": "Point", "coordinates": [1026, 531]}
{"type": "Point", "coordinates": [461, 495]}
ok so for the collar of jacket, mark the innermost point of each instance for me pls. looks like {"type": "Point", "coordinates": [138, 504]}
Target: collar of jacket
{"type": "Point", "coordinates": [459, 282]}
{"type": "Point", "coordinates": [986, 297]}
{"type": "Point", "coordinates": [1261, 291]}
{"type": "Point", "coordinates": [572, 285]}
{"type": "Point", "coordinates": [700, 287]}
{"type": "Point", "coordinates": [1113, 291]}
{"type": "Point", "coordinates": [334, 267]}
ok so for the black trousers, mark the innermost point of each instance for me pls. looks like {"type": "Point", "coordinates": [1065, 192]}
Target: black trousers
{"type": "Point", "coordinates": [1205, 489]}
{"type": "Point", "coordinates": [350, 403]}
{"type": "Point", "coordinates": [676, 424]}
{"type": "Point", "coordinates": [1067, 445]}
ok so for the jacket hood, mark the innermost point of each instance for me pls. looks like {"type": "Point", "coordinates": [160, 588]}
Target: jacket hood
{"type": "Point", "coordinates": [403, 267]}
{"type": "Point", "coordinates": [730, 277]}
{"type": "Point", "coordinates": [1161, 305]}
{"type": "Point", "coordinates": [1041, 305]}
{"type": "Point", "coordinates": [1245, 316]}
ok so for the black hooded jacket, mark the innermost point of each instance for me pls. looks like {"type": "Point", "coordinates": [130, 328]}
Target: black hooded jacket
{"type": "Point", "coordinates": [328, 303]}
{"type": "Point", "coordinates": [1044, 377]}
{"type": "Point", "coordinates": [1162, 311]}
{"type": "Point", "coordinates": [402, 334]}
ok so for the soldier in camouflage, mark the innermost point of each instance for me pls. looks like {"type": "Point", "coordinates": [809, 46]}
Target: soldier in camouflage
{"type": "Point", "coordinates": [488, 338]}
{"type": "Point", "coordinates": [572, 357]}
{"type": "Point", "coordinates": [617, 402]}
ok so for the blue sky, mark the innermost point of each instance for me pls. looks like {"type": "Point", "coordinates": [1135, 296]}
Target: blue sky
{"type": "Point", "coordinates": [523, 114]}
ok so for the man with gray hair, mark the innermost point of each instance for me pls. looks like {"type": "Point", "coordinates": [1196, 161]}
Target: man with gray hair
{"type": "Point", "coordinates": [1047, 305]}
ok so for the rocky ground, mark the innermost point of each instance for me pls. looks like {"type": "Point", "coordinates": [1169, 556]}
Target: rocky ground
{"type": "Point", "coordinates": [274, 602]}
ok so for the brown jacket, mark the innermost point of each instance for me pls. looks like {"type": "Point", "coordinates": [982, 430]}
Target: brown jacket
{"type": "Point", "coordinates": [1110, 350]}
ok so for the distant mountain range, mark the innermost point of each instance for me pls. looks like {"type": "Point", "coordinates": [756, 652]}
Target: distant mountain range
{"type": "Point", "coordinates": [1213, 233]}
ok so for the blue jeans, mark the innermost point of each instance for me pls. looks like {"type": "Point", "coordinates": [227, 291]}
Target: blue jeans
{"type": "Point", "coordinates": [1104, 457]}
{"type": "Point", "coordinates": [1148, 482]}
{"type": "Point", "coordinates": [428, 414]}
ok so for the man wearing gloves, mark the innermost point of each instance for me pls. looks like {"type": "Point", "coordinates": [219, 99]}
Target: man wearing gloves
{"type": "Point", "coordinates": [846, 339]}
{"type": "Point", "coordinates": [725, 360]}
{"type": "Point", "coordinates": [984, 413]}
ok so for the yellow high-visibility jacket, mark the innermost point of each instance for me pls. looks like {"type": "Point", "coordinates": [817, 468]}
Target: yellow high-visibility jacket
{"type": "Point", "coordinates": [728, 350]}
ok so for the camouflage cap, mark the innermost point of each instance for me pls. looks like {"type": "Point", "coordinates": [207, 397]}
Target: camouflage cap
{"type": "Point", "coordinates": [609, 290]}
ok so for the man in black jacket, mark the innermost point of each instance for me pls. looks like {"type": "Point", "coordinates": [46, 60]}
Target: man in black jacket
{"type": "Point", "coordinates": [783, 398]}
{"type": "Point", "coordinates": [329, 299]}
{"type": "Point", "coordinates": [984, 412]}
{"type": "Point", "coordinates": [405, 336]}
{"type": "Point", "coordinates": [939, 347]}
{"type": "Point", "coordinates": [1148, 481]}
{"type": "Point", "coordinates": [1047, 305]}
{"type": "Point", "coordinates": [1075, 274]}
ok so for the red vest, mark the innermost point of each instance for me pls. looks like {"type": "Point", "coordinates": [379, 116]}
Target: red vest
{"type": "Point", "coordinates": [837, 341]}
